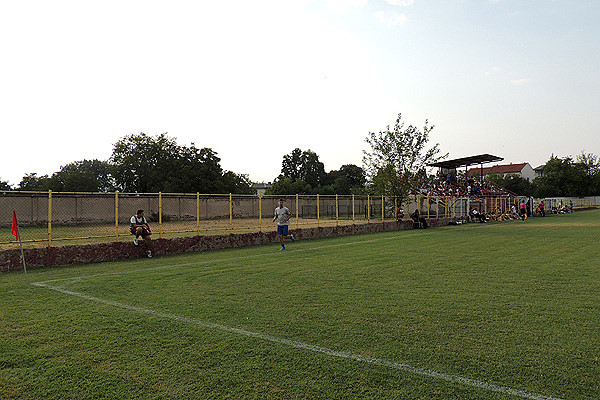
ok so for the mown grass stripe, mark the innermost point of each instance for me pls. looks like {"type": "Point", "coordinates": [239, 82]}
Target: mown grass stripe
{"type": "Point", "coordinates": [318, 349]}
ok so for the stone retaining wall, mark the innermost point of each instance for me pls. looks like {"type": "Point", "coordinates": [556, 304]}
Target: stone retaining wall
{"type": "Point", "coordinates": [81, 254]}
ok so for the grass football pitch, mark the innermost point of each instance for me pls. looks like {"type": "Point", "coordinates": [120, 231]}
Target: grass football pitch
{"type": "Point", "coordinates": [480, 311]}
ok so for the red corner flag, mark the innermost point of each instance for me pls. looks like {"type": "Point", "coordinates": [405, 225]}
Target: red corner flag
{"type": "Point", "coordinates": [15, 226]}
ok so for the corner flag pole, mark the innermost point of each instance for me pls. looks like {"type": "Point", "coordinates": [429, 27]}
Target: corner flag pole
{"type": "Point", "coordinates": [15, 231]}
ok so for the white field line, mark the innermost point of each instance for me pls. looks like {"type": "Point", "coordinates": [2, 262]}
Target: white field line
{"type": "Point", "coordinates": [318, 349]}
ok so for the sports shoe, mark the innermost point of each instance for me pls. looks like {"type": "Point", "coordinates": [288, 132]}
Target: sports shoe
{"type": "Point", "coordinates": [149, 253]}
{"type": "Point", "coordinates": [282, 248]}
{"type": "Point", "coordinates": [135, 241]}
{"type": "Point", "coordinates": [292, 237]}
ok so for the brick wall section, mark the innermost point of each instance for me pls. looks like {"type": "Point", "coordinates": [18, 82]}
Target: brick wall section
{"type": "Point", "coordinates": [81, 254]}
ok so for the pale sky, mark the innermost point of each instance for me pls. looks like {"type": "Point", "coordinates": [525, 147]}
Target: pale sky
{"type": "Point", "coordinates": [255, 79]}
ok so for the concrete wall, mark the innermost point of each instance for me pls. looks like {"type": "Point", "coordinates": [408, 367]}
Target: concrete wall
{"type": "Point", "coordinates": [65, 255]}
{"type": "Point", "coordinates": [100, 207]}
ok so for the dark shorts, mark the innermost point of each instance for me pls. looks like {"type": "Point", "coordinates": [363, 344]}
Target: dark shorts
{"type": "Point", "coordinates": [144, 232]}
{"type": "Point", "coordinates": [282, 230]}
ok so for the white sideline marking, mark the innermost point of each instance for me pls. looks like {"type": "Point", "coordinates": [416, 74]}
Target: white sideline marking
{"type": "Point", "coordinates": [318, 349]}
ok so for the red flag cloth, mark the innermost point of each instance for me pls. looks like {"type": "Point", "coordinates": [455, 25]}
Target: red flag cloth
{"type": "Point", "coordinates": [15, 226]}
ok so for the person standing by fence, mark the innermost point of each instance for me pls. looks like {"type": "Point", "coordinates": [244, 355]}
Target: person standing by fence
{"type": "Point", "coordinates": [139, 227]}
{"type": "Point", "coordinates": [282, 216]}
{"type": "Point", "coordinates": [523, 208]}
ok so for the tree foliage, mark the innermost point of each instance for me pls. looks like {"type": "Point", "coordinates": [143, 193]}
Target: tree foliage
{"type": "Point", "coordinates": [303, 173]}
{"type": "Point", "coordinates": [349, 179]}
{"type": "Point", "coordinates": [33, 182]}
{"type": "Point", "coordinates": [84, 176]}
{"type": "Point", "coordinates": [561, 177]}
{"type": "Point", "coordinates": [565, 177]}
{"type": "Point", "coordinates": [304, 165]}
{"type": "Point", "coordinates": [143, 163]}
{"type": "Point", "coordinates": [513, 183]}
{"type": "Point", "coordinates": [289, 186]}
{"type": "Point", "coordinates": [398, 157]}
{"type": "Point", "coordinates": [4, 185]}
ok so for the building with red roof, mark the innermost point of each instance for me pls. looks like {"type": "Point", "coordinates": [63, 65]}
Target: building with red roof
{"type": "Point", "coordinates": [522, 170]}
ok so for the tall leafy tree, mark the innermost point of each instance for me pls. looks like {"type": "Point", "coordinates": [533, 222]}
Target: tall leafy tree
{"type": "Point", "coordinates": [515, 184]}
{"type": "Point", "coordinates": [237, 183]}
{"type": "Point", "coordinates": [563, 177]}
{"type": "Point", "coordinates": [143, 163]}
{"type": "Point", "coordinates": [289, 186]}
{"type": "Point", "coordinates": [197, 170]}
{"type": "Point", "coordinates": [348, 179]}
{"type": "Point", "coordinates": [304, 165]}
{"type": "Point", "coordinates": [84, 176]}
{"type": "Point", "coordinates": [291, 166]}
{"type": "Point", "coordinates": [4, 185]}
{"type": "Point", "coordinates": [33, 182]}
{"type": "Point", "coordinates": [398, 158]}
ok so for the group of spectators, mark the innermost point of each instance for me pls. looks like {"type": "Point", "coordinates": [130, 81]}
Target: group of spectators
{"type": "Point", "coordinates": [465, 187]}
{"type": "Point", "coordinates": [520, 211]}
{"type": "Point", "coordinates": [562, 208]}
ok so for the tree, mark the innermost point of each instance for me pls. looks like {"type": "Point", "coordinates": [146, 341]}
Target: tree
{"type": "Point", "coordinates": [142, 163]}
{"type": "Point", "coordinates": [32, 182]}
{"type": "Point", "coordinates": [562, 177]}
{"type": "Point", "coordinates": [515, 184]}
{"type": "Point", "coordinates": [237, 183]}
{"type": "Point", "coordinates": [313, 170]}
{"type": "Point", "coordinates": [292, 164]}
{"type": "Point", "coordinates": [4, 185]}
{"type": "Point", "coordinates": [304, 165]}
{"type": "Point", "coordinates": [348, 179]}
{"type": "Point", "coordinates": [197, 170]}
{"type": "Point", "coordinates": [289, 186]}
{"type": "Point", "coordinates": [398, 158]}
{"type": "Point", "coordinates": [84, 176]}
{"type": "Point", "coordinates": [591, 166]}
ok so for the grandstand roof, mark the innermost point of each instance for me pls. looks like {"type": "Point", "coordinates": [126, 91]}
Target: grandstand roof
{"type": "Point", "coordinates": [466, 161]}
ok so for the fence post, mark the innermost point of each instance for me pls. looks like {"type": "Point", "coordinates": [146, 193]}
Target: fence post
{"type": "Point", "coordinates": [368, 209]}
{"type": "Point", "coordinates": [198, 213]}
{"type": "Point", "coordinates": [297, 211]}
{"type": "Point", "coordinates": [49, 218]}
{"type": "Point", "coordinates": [260, 213]}
{"type": "Point", "coordinates": [318, 213]}
{"type": "Point", "coordinates": [160, 215]}
{"type": "Point", "coordinates": [230, 214]}
{"type": "Point", "coordinates": [117, 215]}
{"type": "Point", "coordinates": [337, 214]}
{"type": "Point", "coordinates": [382, 207]}
{"type": "Point", "coordinates": [353, 210]}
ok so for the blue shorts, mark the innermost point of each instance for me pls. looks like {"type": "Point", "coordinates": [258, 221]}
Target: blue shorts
{"type": "Point", "coordinates": [282, 230]}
